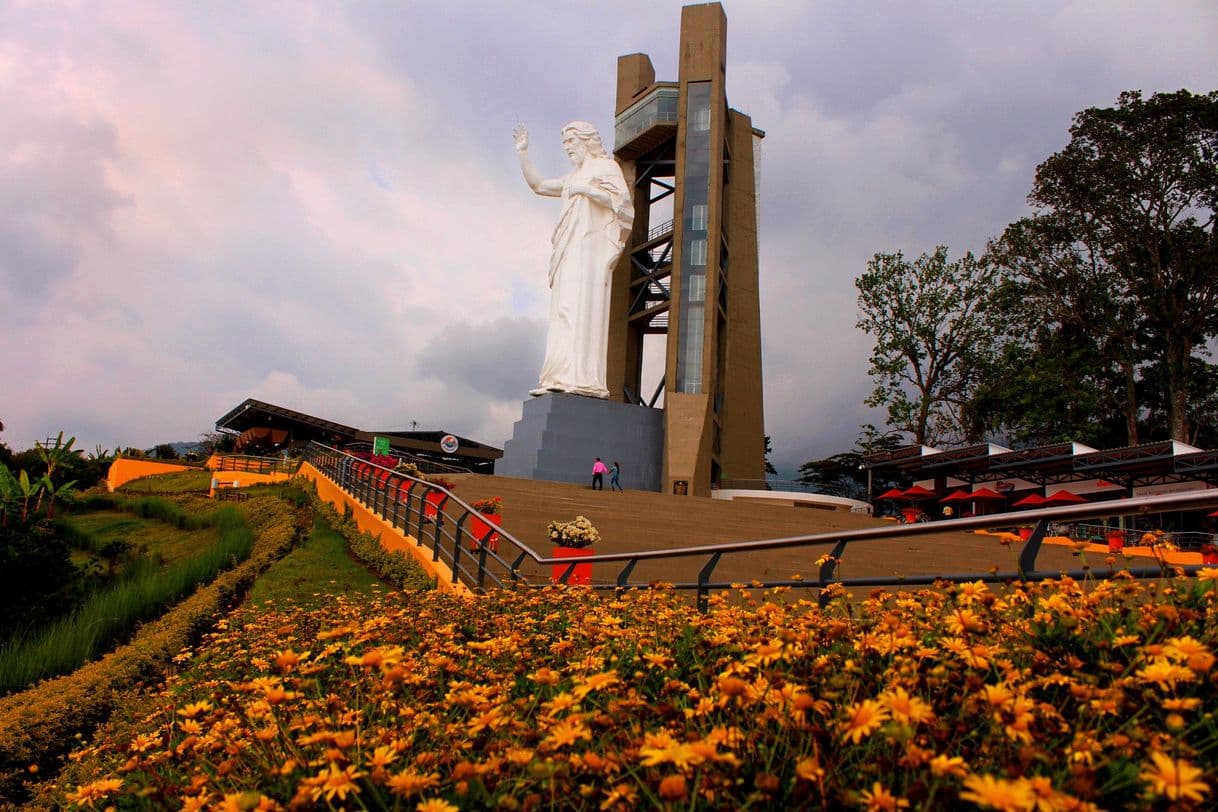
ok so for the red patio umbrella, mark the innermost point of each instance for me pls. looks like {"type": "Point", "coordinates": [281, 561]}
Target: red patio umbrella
{"type": "Point", "coordinates": [1063, 498]}
{"type": "Point", "coordinates": [891, 493]}
{"type": "Point", "coordinates": [1213, 515]}
{"type": "Point", "coordinates": [958, 496]}
{"type": "Point", "coordinates": [986, 495]}
{"type": "Point", "coordinates": [917, 492]}
{"type": "Point", "coordinates": [1031, 500]}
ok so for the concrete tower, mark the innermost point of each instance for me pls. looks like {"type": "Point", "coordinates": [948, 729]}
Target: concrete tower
{"type": "Point", "coordinates": [690, 271]}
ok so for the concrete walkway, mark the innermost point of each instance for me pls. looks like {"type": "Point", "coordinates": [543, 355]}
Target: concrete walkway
{"type": "Point", "coordinates": [637, 520]}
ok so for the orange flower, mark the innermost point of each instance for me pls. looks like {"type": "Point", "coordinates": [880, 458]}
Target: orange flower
{"type": "Point", "coordinates": [809, 769]}
{"type": "Point", "coordinates": [409, 782]}
{"type": "Point", "coordinates": [90, 793]}
{"type": "Point", "coordinates": [566, 733]}
{"type": "Point", "coordinates": [905, 708]}
{"type": "Point", "coordinates": [332, 781]}
{"type": "Point", "coordinates": [435, 805]}
{"type": "Point", "coordinates": [672, 788]}
{"type": "Point", "coordinates": [286, 660]}
{"type": "Point", "coordinates": [732, 686]}
{"type": "Point", "coordinates": [1195, 654]}
{"type": "Point", "coordinates": [621, 795]}
{"type": "Point", "coordinates": [1175, 779]}
{"type": "Point", "coordinates": [879, 799]}
{"type": "Point", "coordinates": [862, 719]}
{"type": "Point", "coordinates": [545, 676]}
{"type": "Point", "coordinates": [1166, 674]}
{"type": "Point", "coordinates": [948, 765]}
{"type": "Point", "coordinates": [997, 793]}
{"type": "Point", "coordinates": [194, 709]}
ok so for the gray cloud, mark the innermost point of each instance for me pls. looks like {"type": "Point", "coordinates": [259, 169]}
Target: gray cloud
{"type": "Point", "coordinates": [498, 359]}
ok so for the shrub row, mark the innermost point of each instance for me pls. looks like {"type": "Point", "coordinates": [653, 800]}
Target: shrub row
{"type": "Point", "coordinates": [155, 507]}
{"type": "Point", "coordinates": [393, 566]}
{"type": "Point", "coordinates": [38, 725]}
{"type": "Point", "coordinates": [150, 507]}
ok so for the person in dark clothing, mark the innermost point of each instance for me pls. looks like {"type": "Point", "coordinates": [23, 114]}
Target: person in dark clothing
{"type": "Point", "coordinates": [614, 473]}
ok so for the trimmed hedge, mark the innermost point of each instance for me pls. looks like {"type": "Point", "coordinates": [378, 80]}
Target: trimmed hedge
{"type": "Point", "coordinates": [38, 725]}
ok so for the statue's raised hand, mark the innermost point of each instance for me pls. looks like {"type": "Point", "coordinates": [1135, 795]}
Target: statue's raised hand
{"type": "Point", "coordinates": [521, 134]}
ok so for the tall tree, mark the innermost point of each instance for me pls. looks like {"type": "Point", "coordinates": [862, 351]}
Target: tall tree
{"type": "Point", "coordinates": [1122, 239]}
{"type": "Point", "coordinates": [932, 328]}
{"type": "Point", "coordinates": [1065, 312]}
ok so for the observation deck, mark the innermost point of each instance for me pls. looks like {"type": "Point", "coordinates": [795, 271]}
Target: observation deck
{"type": "Point", "coordinates": [647, 123]}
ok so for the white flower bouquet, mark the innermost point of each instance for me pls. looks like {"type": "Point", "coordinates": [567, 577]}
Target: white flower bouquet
{"type": "Point", "coordinates": [576, 533]}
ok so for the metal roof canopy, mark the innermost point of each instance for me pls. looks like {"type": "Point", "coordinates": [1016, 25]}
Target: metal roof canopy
{"type": "Point", "coordinates": [252, 413]}
{"type": "Point", "coordinates": [1200, 465]}
{"type": "Point", "coordinates": [905, 458]}
{"type": "Point", "coordinates": [1147, 459]}
{"type": "Point", "coordinates": [963, 462]}
{"type": "Point", "coordinates": [1042, 464]}
{"type": "Point", "coordinates": [1148, 463]}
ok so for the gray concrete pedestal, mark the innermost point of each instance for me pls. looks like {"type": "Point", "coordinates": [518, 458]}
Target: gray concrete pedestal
{"type": "Point", "coordinates": [559, 436]}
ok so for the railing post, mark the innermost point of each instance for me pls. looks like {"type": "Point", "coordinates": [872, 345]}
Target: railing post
{"type": "Point", "coordinates": [435, 542]}
{"type": "Point", "coordinates": [458, 535]}
{"type": "Point", "coordinates": [827, 571]}
{"type": "Point", "coordinates": [418, 519]}
{"type": "Point", "coordinates": [482, 565]}
{"type": "Point", "coordinates": [383, 495]}
{"type": "Point", "coordinates": [1031, 548]}
{"type": "Point", "coordinates": [514, 570]}
{"type": "Point", "coordinates": [623, 577]}
{"type": "Point", "coordinates": [703, 579]}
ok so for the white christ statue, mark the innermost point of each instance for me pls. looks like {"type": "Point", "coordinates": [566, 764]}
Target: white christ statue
{"type": "Point", "coordinates": [592, 229]}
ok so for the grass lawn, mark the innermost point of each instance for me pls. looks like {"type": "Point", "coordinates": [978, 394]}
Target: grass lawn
{"type": "Point", "coordinates": [179, 481]}
{"type": "Point", "coordinates": [315, 571]}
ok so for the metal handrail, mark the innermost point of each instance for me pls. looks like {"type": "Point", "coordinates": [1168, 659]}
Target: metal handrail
{"type": "Point", "coordinates": [1041, 518]}
{"type": "Point", "coordinates": [662, 228]}
{"type": "Point", "coordinates": [432, 514]}
{"type": "Point", "coordinates": [249, 464]}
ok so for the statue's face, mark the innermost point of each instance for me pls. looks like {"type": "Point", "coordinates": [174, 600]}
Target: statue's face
{"type": "Point", "coordinates": [576, 149]}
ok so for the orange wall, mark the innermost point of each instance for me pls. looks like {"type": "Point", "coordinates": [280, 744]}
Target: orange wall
{"type": "Point", "coordinates": [389, 536]}
{"type": "Point", "coordinates": [123, 470]}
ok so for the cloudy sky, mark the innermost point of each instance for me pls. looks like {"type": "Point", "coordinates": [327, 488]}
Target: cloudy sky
{"type": "Point", "coordinates": [318, 205]}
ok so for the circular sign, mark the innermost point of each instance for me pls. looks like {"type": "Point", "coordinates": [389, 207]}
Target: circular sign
{"type": "Point", "coordinates": [448, 444]}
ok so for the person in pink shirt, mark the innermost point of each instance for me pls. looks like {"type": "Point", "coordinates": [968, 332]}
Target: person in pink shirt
{"type": "Point", "coordinates": [598, 475]}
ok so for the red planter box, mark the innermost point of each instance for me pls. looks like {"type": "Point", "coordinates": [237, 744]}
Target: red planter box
{"type": "Point", "coordinates": [479, 526]}
{"type": "Point", "coordinates": [433, 503]}
{"type": "Point", "coordinates": [583, 572]}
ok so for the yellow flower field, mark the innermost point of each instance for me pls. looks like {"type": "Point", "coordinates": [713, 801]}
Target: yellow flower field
{"type": "Point", "coordinates": [1053, 696]}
